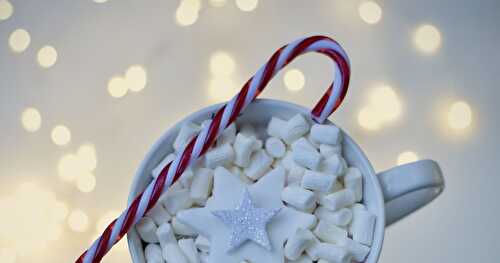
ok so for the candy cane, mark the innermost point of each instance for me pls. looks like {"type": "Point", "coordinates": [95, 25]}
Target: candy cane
{"type": "Point", "coordinates": [227, 114]}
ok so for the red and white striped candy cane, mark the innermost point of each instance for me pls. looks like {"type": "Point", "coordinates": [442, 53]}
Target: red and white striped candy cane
{"type": "Point", "coordinates": [227, 114]}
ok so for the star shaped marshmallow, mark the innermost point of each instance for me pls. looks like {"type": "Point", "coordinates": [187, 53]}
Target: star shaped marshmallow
{"type": "Point", "coordinates": [265, 194]}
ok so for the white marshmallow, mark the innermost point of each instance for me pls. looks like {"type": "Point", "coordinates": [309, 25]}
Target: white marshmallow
{"type": "Point", "coordinates": [328, 232]}
{"type": "Point", "coordinates": [228, 135]}
{"type": "Point", "coordinates": [146, 228]}
{"type": "Point", "coordinates": [338, 200]}
{"type": "Point", "coordinates": [297, 243]}
{"type": "Point", "coordinates": [317, 181]}
{"type": "Point", "coordinates": [186, 178]}
{"type": "Point", "coordinates": [341, 217]}
{"type": "Point", "coordinates": [301, 259]}
{"type": "Point", "coordinates": [243, 148]}
{"type": "Point", "coordinates": [332, 253]}
{"type": "Point", "coordinates": [159, 214]}
{"type": "Point", "coordinates": [334, 164]}
{"type": "Point", "coordinates": [303, 143]}
{"type": "Point", "coordinates": [249, 131]}
{"type": "Point", "coordinates": [219, 156]}
{"type": "Point", "coordinates": [176, 200]}
{"type": "Point", "coordinates": [153, 254]}
{"type": "Point", "coordinates": [260, 163]}
{"type": "Point", "coordinates": [204, 257]}
{"type": "Point", "coordinates": [294, 176]}
{"type": "Point", "coordinates": [306, 158]}
{"type": "Point", "coordinates": [258, 145]}
{"type": "Point", "coordinates": [186, 133]}
{"type": "Point", "coordinates": [295, 128]}
{"type": "Point", "coordinates": [202, 243]}
{"type": "Point", "coordinates": [288, 162]}
{"type": "Point", "coordinates": [357, 250]}
{"type": "Point", "coordinates": [157, 170]}
{"type": "Point", "coordinates": [275, 147]}
{"type": "Point", "coordinates": [299, 198]}
{"type": "Point", "coordinates": [328, 150]}
{"type": "Point", "coordinates": [354, 180]}
{"type": "Point", "coordinates": [181, 229]}
{"type": "Point", "coordinates": [275, 126]}
{"type": "Point", "coordinates": [189, 250]}
{"type": "Point", "coordinates": [326, 134]}
{"type": "Point", "coordinates": [362, 226]}
{"type": "Point", "coordinates": [201, 187]}
{"type": "Point", "coordinates": [236, 171]}
{"type": "Point", "coordinates": [170, 248]}
{"type": "Point", "coordinates": [165, 234]}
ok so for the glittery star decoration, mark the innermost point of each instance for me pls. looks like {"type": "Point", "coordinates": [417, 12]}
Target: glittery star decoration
{"type": "Point", "coordinates": [247, 222]}
{"type": "Point", "coordinates": [227, 194]}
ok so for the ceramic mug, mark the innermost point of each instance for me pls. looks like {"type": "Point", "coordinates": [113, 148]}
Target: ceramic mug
{"type": "Point", "coordinates": [390, 195]}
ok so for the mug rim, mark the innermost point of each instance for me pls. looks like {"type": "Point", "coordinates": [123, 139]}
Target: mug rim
{"type": "Point", "coordinates": [379, 232]}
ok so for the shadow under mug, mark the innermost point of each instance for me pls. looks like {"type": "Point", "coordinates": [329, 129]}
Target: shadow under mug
{"type": "Point", "coordinates": [389, 195]}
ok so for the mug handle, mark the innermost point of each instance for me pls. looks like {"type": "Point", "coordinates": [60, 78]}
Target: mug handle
{"type": "Point", "coordinates": [408, 187]}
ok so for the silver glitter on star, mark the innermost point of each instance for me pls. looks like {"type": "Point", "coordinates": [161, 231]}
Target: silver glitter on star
{"type": "Point", "coordinates": [247, 222]}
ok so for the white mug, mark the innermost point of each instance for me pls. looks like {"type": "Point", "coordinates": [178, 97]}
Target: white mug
{"type": "Point", "coordinates": [390, 195]}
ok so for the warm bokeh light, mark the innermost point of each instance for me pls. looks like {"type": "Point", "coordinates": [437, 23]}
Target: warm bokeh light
{"type": "Point", "coordinates": [294, 80]}
{"type": "Point", "coordinates": [187, 13]}
{"type": "Point", "coordinates": [385, 102]}
{"type": "Point", "coordinates": [6, 9]}
{"type": "Point", "coordinates": [136, 78]}
{"type": "Point", "coordinates": [19, 40]}
{"type": "Point", "coordinates": [427, 38]}
{"type": "Point", "coordinates": [217, 3]}
{"type": "Point", "coordinates": [87, 156]}
{"type": "Point", "coordinates": [100, 1]}
{"type": "Point", "coordinates": [47, 56]}
{"type": "Point", "coordinates": [222, 89]}
{"type": "Point", "coordinates": [459, 115]}
{"type": "Point", "coordinates": [407, 157]}
{"type": "Point", "coordinates": [117, 87]}
{"type": "Point", "coordinates": [69, 167]}
{"type": "Point", "coordinates": [86, 182]}
{"type": "Point", "coordinates": [8, 255]}
{"type": "Point", "coordinates": [31, 119]}
{"type": "Point", "coordinates": [368, 119]}
{"type": "Point", "coordinates": [370, 12]}
{"type": "Point", "coordinates": [78, 221]}
{"type": "Point", "coordinates": [61, 135]}
{"type": "Point", "coordinates": [222, 64]}
{"type": "Point", "coordinates": [247, 5]}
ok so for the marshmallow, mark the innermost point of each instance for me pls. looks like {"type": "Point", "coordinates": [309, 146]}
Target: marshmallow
{"type": "Point", "coordinates": [288, 162]}
{"type": "Point", "coordinates": [326, 134]}
{"type": "Point", "coordinates": [338, 200]}
{"type": "Point", "coordinates": [357, 250]}
{"type": "Point", "coordinates": [275, 126]}
{"type": "Point", "coordinates": [275, 147]}
{"type": "Point", "coordinates": [228, 135]}
{"type": "Point", "coordinates": [186, 178]}
{"type": "Point", "coordinates": [354, 180]}
{"type": "Point", "coordinates": [201, 187]}
{"type": "Point", "coordinates": [301, 259]}
{"type": "Point", "coordinates": [260, 163]}
{"type": "Point", "coordinates": [294, 128]}
{"type": "Point", "coordinates": [176, 200]}
{"type": "Point", "coordinates": [146, 228]}
{"type": "Point", "coordinates": [157, 170]}
{"type": "Point", "coordinates": [186, 133]}
{"type": "Point", "coordinates": [317, 181]}
{"type": "Point", "coordinates": [328, 150]}
{"type": "Point", "coordinates": [204, 258]}
{"type": "Point", "coordinates": [362, 226]}
{"type": "Point", "coordinates": [341, 217]}
{"type": "Point", "coordinates": [299, 198]}
{"type": "Point", "coordinates": [306, 158]}
{"type": "Point", "coordinates": [153, 254]}
{"type": "Point", "coordinates": [297, 243]}
{"type": "Point", "coordinates": [159, 214]}
{"type": "Point", "coordinates": [332, 253]}
{"type": "Point", "coordinates": [235, 170]}
{"type": "Point", "coordinates": [170, 248]}
{"type": "Point", "coordinates": [295, 175]}
{"type": "Point", "coordinates": [189, 250]}
{"type": "Point", "coordinates": [219, 156]}
{"type": "Point", "coordinates": [249, 131]}
{"type": "Point", "coordinates": [334, 164]}
{"type": "Point", "coordinates": [181, 229]}
{"type": "Point", "coordinates": [328, 232]}
{"type": "Point", "coordinates": [243, 148]}
{"type": "Point", "coordinates": [303, 143]}
{"type": "Point", "coordinates": [202, 244]}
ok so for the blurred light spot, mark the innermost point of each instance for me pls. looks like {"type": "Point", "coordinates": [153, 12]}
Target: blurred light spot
{"type": "Point", "coordinates": [61, 135]}
{"type": "Point", "coordinates": [78, 221]}
{"type": "Point", "coordinates": [86, 183]}
{"type": "Point", "coordinates": [60, 210]}
{"type": "Point", "coordinates": [247, 5]}
{"type": "Point", "coordinates": [218, 3]}
{"type": "Point", "coordinates": [187, 13]}
{"type": "Point", "coordinates": [106, 219]}
{"type": "Point", "coordinates": [407, 157]}
{"type": "Point", "coordinates": [19, 40]}
{"type": "Point", "coordinates": [222, 89]}
{"type": "Point", "coordinates": [136, 78]}
{"type": "Point", "coordinates": [368, 119]}
{"type": "Point", "coordinates": [47, 56]}
{"type": "Point", "coordinates": [8, 255]}
{"type": "Point", "coordinates": [385, 102]}
{"type": "Point", "coordinates": [427, 38]}
{"type": "Point", "coordinates": [87, 156]}
{"type": "Point", "coordinates": [55, 234]}
{"type": "Point", "coordinates": [370, 12]}
{"type": "Point", "coordinates": [6, 9]}
{"type": "Point", "coordinates": [100, 1]}
{"type": "Point", "coordinates": [31, 119]}
{"type": "Point", "coordinates": [294, 80]}
{"type": "Point", "coordinates": [459, 115]}
{"type": "Point", "coordinates": [69, 167]}
{"type": "Point", "coordinates": [222, 64]}
{"type": "Point", "coordinates": [117, 87]}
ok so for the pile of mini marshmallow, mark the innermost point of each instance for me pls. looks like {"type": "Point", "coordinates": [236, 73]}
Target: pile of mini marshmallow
{"type": "Point", "coordinates": [318, 181]}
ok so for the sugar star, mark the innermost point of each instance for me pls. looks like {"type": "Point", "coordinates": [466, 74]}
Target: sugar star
{"type": "Point", "coordinates": [227, 194]}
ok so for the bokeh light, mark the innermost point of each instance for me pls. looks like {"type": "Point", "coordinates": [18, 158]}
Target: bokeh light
{"type": "Point", "coordinates": [87, 156]}
{"type": "Point", "coordinates": [370, 12]}
{"type": "Point", "coordinates": [31, 119]}
{"type": "Point", "coordinates": [368, 119]}
{"type": "Point", "coordinates": [188, 12]}
{"type": "Point", "coordinates": [294, 80]}
{"type": "Point", "coordinates": [222, 64]}
{"type": "Point", "coordinates": [136, 78]}
{"type": "Point", "coordinates": [6, 9]}
{"type": "Point", "coordinates": [383, 107]}
{"type": "Point", "coordinates": [117, 87]}
{"type": "Point", "coordinates": [427, 38]}
{"type": "Point", "coordinates": [407, 157]}
{"type": "Point", "coordinates": [100, 1]}
{"type": "Point", "coordinates": [86, 182]}
{"type": "Point", "coordinates": [69, 167]}
{"type": "Point", "coordinates": [47, 56]}
{"type": "Point", "coordinates": [61, 135]}
{"type": "Point", "coordinates": [222, 89]}
{"type": "Point", "coordinates": [19, 40]}
{"type": "Point", "coordinates": [8, 255]}
{"type": "Point", "coordinates": [217, 3]}
{"type": "Point", "coordinates": [247, 5]}
{"type": "Point", "coordinates": [78, 221]}
{"type": "Point", "coordinates": [459, 115]}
